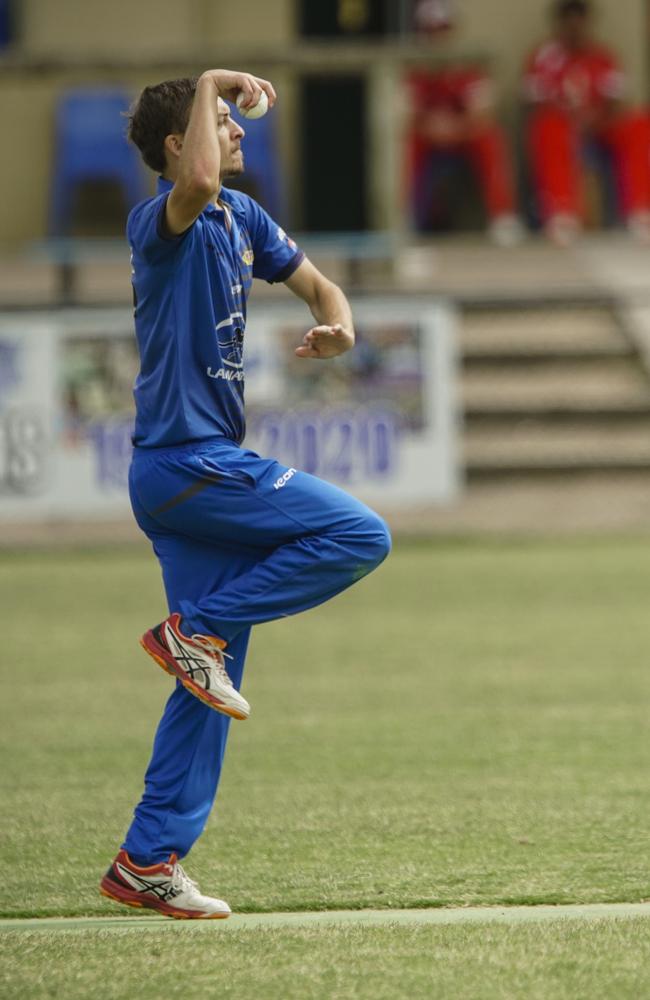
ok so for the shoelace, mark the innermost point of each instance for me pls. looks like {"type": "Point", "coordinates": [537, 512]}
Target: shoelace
{"type": "Point", "coordinates": [216, 655]}
{"type": "Point", "coordinates": [181, 881]}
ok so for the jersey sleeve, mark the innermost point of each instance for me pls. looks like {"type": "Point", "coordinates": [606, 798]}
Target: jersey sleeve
{"type": "Point", "coordinates": [276, 256]}
{"type": "Point", "coordinates": [147, 235]}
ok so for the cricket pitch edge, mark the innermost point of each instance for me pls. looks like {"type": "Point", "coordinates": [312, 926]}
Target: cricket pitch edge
{"type": "Point", "coordinates": [440, 915]}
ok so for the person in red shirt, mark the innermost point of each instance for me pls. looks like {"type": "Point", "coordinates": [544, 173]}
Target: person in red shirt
{"type": "Point", "coordinates": [451, 109]}
{"type": "Point", "coordinates": [574, 87]}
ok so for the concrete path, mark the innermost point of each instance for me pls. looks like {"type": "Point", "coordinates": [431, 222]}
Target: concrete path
{"type": "Point", "coordinates": [249, 921]}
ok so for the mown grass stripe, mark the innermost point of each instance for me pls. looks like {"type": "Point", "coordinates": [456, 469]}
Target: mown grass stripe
{"type": "Point", "coordinates": [451, 915]}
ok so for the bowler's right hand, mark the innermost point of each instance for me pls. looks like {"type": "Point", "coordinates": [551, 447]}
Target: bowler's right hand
{"type": "Point", "coordinates": [230, 83]}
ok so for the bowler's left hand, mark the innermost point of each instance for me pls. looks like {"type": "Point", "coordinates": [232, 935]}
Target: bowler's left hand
{"type": "Point", "coordinates": [325, 342]}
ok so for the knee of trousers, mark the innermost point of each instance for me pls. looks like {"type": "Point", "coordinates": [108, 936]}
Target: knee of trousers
{"type": "Point", "coordinates": [372, 540]}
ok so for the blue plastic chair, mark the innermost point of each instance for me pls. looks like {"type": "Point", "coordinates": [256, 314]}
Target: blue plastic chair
{"type": "Point", "coordinates": [263, 175]}
{"type": "Point", "coordinates": [91, 145]}
{"type": "Point", "coordinates": [6, 24]}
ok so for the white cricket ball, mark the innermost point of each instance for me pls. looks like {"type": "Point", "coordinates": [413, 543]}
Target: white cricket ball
{"type": "Point", "coordinates": [257, 110]}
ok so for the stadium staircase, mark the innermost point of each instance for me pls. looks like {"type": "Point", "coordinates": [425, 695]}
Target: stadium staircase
{"type": "Point", "coordinates": [553, 390]}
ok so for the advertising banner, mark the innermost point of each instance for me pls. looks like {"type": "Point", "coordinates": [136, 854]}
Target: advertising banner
{"type": "Point", "coordinates": [380, 421]}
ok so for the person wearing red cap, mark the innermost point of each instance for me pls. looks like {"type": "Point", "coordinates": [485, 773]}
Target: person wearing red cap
{"type": "Point", "coordinates": [574, 87]}
{"type": "Point", "coordinates": [452, 110]}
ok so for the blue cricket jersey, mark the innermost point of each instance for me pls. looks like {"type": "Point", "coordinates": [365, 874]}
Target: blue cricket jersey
{"type": "Point", "coordinates": [190, 295]}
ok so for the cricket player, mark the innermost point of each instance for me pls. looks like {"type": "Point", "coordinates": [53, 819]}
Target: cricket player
{"type": "Point", "coordinates": [452, 110]}
{"type": "Point", "coordinates": [241, 539]}
{"type": "Point", "coordinates": [575, 89]}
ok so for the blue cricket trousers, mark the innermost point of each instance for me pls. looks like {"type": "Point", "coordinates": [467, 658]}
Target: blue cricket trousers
{"type": "Point", "coordinates": [241, 540]}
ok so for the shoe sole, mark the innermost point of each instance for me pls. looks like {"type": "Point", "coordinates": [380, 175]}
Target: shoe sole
{"type": "Point", "coordinates": [174, 914]}
{"type": "Point", "coordinates": [193, 688]}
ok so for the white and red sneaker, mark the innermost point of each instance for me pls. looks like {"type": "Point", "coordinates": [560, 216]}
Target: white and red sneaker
{"type": "Point", "coordinates": [198, 663]}
{"type": "Point", "coordinates": [164, 887]}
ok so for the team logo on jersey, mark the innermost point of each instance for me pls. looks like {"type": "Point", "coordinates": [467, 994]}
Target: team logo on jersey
{"type": "Point", "coordinates": [248, 257]}
{"type": "Point", "coordinates": [230, 338]}
{"type": "Point", "coordinates": [282, 236]}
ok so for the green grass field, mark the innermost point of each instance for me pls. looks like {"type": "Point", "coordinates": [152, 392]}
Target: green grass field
{"type": "Point", "coordinates": [564, 960]}
{"type": "Point", "coordinates": [469, 725]}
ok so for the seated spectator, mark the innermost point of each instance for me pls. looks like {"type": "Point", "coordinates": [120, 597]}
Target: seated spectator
{"type": "Point", "coordinates": [574, 88]}
{"type": "Point", "coordinates": [452, 111]}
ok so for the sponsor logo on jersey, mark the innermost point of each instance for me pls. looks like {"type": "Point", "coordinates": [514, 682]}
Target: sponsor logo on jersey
{"type": "Point", "coordinates": [284, 479]}
{"type": "Point", "coordinates": [282, 236]}
{"type": "Point", "coordinates": [227, 374]}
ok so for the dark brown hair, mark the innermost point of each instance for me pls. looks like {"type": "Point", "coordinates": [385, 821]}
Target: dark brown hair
{"type": "Point", "coordinates": [158, 112]}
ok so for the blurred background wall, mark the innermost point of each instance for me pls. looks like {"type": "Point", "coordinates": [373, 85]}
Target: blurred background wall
{"type": "Point", "coordinates": [61, 43]}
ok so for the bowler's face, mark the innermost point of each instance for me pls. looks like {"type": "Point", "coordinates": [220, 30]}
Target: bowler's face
{"type": "Point", "coordinates": [230, 135]}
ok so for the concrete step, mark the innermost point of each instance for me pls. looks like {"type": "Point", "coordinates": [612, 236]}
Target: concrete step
{"type": "Point", "coordinates": [552, 390]}
{"type": "Point", "coordinates": [569, 387]}
{"type": "Point", "coordinates": [606, 415]}
{"type": "Point", "coordinates": [530, 444]}
{"type": "Point", "coordinates": [518, 471]}
{"type": "Point", "coordinates": [613, 354]}
{"type": "Point", "coordinates": [556, 331]}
